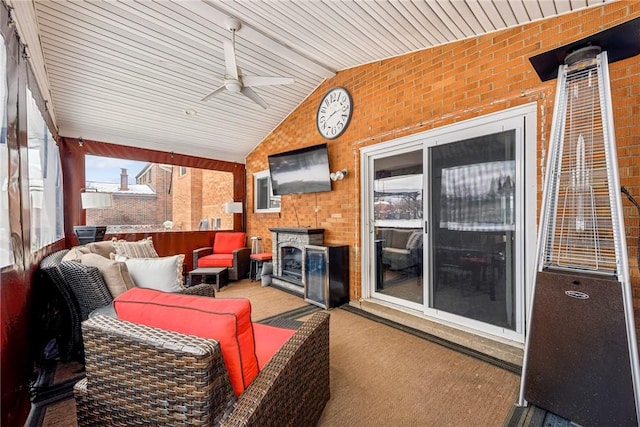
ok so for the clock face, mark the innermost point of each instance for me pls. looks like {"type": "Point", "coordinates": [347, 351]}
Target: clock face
{"type": "Point", "coordinates": [334, 113]}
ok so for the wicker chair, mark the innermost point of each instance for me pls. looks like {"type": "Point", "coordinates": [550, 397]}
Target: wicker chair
{"type": "Point", "coordinates": [138, 375]}
{"type": "Point", "coordinates": [71, 337]}
{"type": "Point", "coordinates": [236, 260]}
{"type": "Point", "coordinates": [83, 289]}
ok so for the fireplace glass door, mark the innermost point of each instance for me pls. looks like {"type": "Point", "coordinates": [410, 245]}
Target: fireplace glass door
{"type": "Point", "coordinates": [291, 264]}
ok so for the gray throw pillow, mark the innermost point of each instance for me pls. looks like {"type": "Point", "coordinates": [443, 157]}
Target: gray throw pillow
{"type": "Point", "coordinates": [140, 249]}
{"type": "Point", "coordinates": [115, 274]}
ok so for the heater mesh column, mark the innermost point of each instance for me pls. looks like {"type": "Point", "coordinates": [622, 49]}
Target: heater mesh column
{"type": "Point", "coordinates": [580, 232]}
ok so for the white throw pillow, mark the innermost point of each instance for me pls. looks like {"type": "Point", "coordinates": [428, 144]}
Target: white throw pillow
{"type": "Point", "coordinates": [163, 273]}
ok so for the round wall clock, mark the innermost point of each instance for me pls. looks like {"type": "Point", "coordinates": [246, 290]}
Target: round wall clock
{"type": "Point", "coordinates": [334, 113]}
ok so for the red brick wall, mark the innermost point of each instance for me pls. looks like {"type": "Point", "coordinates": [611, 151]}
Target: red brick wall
{"type": "Point", "coordinates": [161, 182]}
{"type": "Point", "coordinates": [139, 209]}
{"type": "Point", "coordinates": [217, 189]}
{"type": "Point", "coordinates": [437, 87]}
{"type": "Point", "coordinates": [201, 194]}
{"type": "Point", "coordinates": [127, 209]}
{"type": "Point", "coordinates": [186, 197]}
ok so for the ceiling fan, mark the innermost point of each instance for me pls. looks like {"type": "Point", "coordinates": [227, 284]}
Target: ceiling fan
{"type": "Point", "coordinates": [234, 81]}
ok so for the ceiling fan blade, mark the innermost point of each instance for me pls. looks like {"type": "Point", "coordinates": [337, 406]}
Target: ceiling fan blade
{"type": "Point", "coordinates": [214, 93]}
{"type": "Point", "coordinates": [249, 93]}
{"type": "Point", "coordinates": [251, 81]}
{"type": "Point", "coordinates": [230, 60]}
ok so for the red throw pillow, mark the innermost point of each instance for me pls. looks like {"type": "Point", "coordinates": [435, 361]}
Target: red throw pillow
{"type": "Point", "coordinates": [226, 320]}
{"type": "Point", "coordinates": [226, 243]}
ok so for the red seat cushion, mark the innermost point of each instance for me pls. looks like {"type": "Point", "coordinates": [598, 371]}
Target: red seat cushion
{"type": "Point", "coordinates": [268, 341]}
{"type": "Point", "coordinates": [226, 320]}
{"type": "Point", "coordinates": [216, 260]}
{"type": "Point", "coordinates": [226, 243]}
{"type": "Point", "coordinates": [264, 256]}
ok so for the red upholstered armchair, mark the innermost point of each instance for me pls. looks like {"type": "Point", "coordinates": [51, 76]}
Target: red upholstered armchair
{"type": "Point", "coordinates": [229, 250]}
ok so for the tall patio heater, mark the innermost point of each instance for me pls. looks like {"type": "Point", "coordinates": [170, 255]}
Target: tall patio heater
{"type": "Point", "coordinates": [581, 359]}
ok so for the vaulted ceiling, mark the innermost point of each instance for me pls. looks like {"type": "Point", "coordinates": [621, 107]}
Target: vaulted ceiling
{"type": "Point", "coordinates": [135, 72]}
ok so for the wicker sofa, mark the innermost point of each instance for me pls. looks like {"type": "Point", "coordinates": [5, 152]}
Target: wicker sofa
{"type": "Point", "coordinates": [138, 375]}
{"type": "Point", "coordinates": [83, 289]}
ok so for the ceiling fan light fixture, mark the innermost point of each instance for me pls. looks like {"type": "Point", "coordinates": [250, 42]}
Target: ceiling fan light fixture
{"type": "Point", "coordinates": [234, 82]}
{"type": "Point", "coordinates": [232, 24]}
{"type": "Point", "coordinates": [233, 86]}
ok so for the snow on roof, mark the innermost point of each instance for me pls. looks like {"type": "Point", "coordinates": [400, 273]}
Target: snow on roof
{"type": "Point", "coordinates": [109, 187]}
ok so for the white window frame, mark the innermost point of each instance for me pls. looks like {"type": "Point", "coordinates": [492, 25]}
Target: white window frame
{"type": "Point", "coordinates": [258, 176]}
{"type": "Point", "coordinates": [182, 170]}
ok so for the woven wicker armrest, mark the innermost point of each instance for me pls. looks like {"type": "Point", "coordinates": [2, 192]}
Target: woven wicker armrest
{"type": "Point", "coordinates": [52, 260]}
{"type": "Point", "coordinates": [87, 284]}
{"type": "Point", "coordinates": [147, 376]}
{"type": "Point", "coordinates": [293, 387]}
{"type": "Point", "coordinates": [241, 261]}
{"type": "Point", "coordinates": [203, 290]}
{"type": "Point", "coordinates": [71, 345]}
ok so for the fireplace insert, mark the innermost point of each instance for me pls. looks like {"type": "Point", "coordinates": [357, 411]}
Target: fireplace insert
{"type": "Point", "coordinates": [291, 262]}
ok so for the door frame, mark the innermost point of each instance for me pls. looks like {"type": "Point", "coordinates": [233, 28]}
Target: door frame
{"type": "Point", "coordinates": [526, 205]}
{"type": "Point", "coordinates": [395, 149]}
{"type": "Point", "coordinates": [367, 157]}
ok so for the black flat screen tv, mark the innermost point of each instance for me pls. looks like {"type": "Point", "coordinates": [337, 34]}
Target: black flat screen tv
{"type": "Point", "coordinates": [305, 170]}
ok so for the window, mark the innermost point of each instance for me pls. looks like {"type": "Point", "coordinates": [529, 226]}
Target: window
{"type": "Point", "coordinates": [45, 181]}
{"type": "Point", "coordinates": [6, 254]}
{"type": "Point", "coordinates": [147, 197]}
{"type": "Point", "coordinates": [264, 200]}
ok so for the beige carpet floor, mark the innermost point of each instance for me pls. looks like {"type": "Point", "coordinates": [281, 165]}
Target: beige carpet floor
{"type": "Point", "coordinates": [381, 376]}
{"type": "Point", "coordinates": [265, 300]}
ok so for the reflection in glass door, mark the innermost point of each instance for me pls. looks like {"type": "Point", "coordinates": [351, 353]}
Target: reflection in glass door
{"type": "Point", "coordinates": [398, 227]}
{"type": "Point", "coordinates": [472, 218]}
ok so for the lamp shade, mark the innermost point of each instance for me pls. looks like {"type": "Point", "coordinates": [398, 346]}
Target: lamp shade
{"type": "Point", "coordinates": [233, 207]}
{"type": "Point", "coordinates": [96, 200]}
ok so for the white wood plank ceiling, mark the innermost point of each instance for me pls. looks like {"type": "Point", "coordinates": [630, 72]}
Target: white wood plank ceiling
{"type": "Point", "coordinates": [126, 71]}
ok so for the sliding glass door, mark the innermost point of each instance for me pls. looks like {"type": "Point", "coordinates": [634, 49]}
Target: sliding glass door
{"type": "Point", "coordinates": [473, 223]}
{"type": "Point", "coordinates": [398, 208]}
{"type": "Point", "coordinates": [447, 222]}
